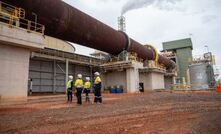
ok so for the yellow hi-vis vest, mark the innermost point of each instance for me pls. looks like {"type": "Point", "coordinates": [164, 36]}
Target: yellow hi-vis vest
{"type": "Point", "coordinates": [87, 85]}
{"type": "Point", "coordinates": [97, 80]}
{"type": "Point", "coordinates": [69, 84]}
{"type": "Point", "coordinates": [78, 83]}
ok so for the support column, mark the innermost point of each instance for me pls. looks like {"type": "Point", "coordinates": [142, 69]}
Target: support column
{"type": "Point", "coordinates": [66, 73]}
{"type": "Point", "coordinates": [54, 76]}
{"type": "Point", "coordinates": [133, 77]}
{"type": "Point", "coordinates": [174, 80]}
{"type": "Point", "coordinates": [91, 77]}
{"type": "Point", "coordinates": [131, 80]}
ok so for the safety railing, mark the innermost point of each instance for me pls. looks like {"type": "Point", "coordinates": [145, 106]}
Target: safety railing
{"type": "Point", "coordinates": [12, 10]}
{"type": "Point", "coordinates": [13, 16]}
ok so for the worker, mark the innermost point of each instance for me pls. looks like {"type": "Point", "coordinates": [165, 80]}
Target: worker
{"type": "Point", "coordinates": [79, 87]}
{"type": "Point", "coordinates": [69, 88]}
{"type": "Point", "coordinates": [30, 86]}
{"type": "Point", "coordinates": [87, 86]}
{"type": "Point", "coordinates": [97, 88]}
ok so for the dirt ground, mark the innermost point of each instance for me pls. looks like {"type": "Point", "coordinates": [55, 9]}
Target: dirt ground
{"type": "Point", "coordinates": [149, 113]}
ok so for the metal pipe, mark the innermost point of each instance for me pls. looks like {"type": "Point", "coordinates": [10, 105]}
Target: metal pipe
{"type": "Point", "coordinates": [68, 23]}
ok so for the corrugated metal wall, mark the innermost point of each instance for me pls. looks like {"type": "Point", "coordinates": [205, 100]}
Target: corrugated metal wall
{"type": "Point", "coordinates": [41, 73]}
{"type": "Point", "coordinates": [49, 76]}
{"type": "Point", "coordinates": [183, 56]}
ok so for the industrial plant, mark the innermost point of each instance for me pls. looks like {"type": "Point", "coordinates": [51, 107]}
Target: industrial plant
{"type": "Point", "coordinates": [46, 57]}
{"type": "Point", "coordinates": [37, 55]}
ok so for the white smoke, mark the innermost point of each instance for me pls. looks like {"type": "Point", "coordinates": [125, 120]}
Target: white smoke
{"type": "Point", "coordinates": [161, 4]}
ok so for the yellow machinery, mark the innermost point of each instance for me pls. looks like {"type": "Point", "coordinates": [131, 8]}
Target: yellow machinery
{"type": "Point", "coordinates": [154, 63]}
{"type": "Point", "coordinates": [132, 56]}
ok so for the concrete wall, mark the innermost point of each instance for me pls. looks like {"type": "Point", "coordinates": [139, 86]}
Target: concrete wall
{"type": "Point", "coordinates": [15, 47]}
{"type": "Point", "coordinates": [117, 78]}
{"type": "Point", "coordinates": [13, 71]}
{"type": "Point", "coordinates": [152, 80]}
{"type": "Point", "coordinates": [129, 78]}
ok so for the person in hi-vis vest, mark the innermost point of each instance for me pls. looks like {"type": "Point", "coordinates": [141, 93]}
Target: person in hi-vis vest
{"type": "Point", "coordinates": [87, 86]}
{"type": "Point", "coordinates": [79, 87]}
{"type": "Point", "coordinates": [69, 88]}
{"type": "Point", "coordinates": [97, 88]}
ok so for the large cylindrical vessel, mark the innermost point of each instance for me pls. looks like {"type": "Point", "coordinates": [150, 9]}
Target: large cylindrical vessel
{"type": "Point", "coordinates": [68, 23]}
{"type": "Point", "coordinates": [199, 78]}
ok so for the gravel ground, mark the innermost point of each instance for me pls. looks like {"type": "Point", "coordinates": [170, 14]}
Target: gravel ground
{"type": "Point", "coordinates": [149, 113]}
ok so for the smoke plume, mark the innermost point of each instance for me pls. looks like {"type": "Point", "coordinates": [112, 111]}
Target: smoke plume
{"type": "Point", "coordinates": [135, 4]}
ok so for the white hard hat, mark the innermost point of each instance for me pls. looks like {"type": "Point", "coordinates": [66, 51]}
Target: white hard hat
{"type": "Point", "coordinates": [96, 73]}
{"type": "Point", "coordinates": [79, 76]}
{"type": "Point", "coordinates": [70, 77]}
{"type": "Point", "coordinates": [88, 78]}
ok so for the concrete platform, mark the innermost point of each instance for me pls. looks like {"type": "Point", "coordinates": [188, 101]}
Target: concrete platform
{"type": "Point", "coordinates": [11, 35]}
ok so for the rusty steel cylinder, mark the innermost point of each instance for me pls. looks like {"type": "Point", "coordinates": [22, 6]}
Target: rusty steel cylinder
{"type": "Point", "coordinates": [68, 23]}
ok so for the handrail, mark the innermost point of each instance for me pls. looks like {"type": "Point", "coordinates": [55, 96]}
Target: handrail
{"type": "Point", "coordinates": [14, 16]}
{"type": "Point", "coordinates": [12, 10]}
{"type": "Point", "coordinates": [30, 26]}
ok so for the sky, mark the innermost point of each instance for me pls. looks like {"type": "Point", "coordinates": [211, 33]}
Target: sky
{"type": "Point", "coordinates": [157, 21]}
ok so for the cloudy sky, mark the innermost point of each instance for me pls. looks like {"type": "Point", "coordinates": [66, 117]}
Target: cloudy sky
{"type": "Point", "coordinates": [157, 21]}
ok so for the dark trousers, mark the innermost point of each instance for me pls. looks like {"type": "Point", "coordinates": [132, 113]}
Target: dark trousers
{"type": "Point", "coordinates": [87, 91]}
{"type": "Point", "coordinates": [69, 95]}
{"type": "Point", "coordinates": [97, 95]}
{"type": "Point", "coordinates": [78, 94]}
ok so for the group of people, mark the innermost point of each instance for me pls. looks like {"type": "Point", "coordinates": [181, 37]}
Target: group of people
{"type": "Point", "coordinates": [79, 87]}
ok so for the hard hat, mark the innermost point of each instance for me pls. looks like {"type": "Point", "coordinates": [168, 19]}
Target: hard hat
{"type": "Point", "coordinates": [97, 73]}
{"type": "Point", "coordinates": [70, 77]}
{"type": "Point", "coordinates": [88, 78]}
{"type": "Point", "coordinates": [79, 76]}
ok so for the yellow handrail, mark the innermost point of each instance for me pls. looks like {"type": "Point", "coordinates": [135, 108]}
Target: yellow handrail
{"type": "Point", "coordinates": [12, 10]}
{"type": "Point", "coordinates": [14, 16]}
{"type": "Point", "coordinates": [23, 23]}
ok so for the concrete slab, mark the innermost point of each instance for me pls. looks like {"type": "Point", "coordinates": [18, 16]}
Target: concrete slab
{"type": "Point", "coordinates": [20, 37]}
